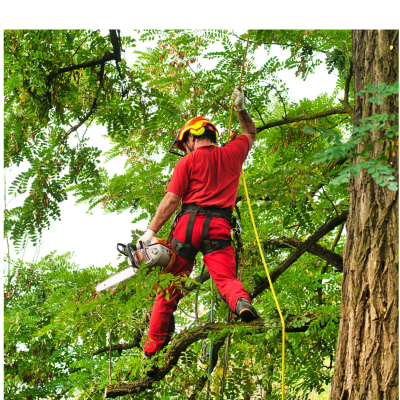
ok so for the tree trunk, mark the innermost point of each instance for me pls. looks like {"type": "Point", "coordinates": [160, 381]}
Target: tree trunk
{"type": "Point", "coordinates": [366, 365]}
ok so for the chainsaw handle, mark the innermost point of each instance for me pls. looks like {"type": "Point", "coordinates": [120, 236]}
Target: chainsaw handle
{"type": "Point", "coordinates": [123, 252]}
{"type": "Point", "coordinates": [128, 248]}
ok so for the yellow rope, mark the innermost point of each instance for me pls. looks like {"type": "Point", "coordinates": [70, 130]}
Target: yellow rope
{"type": "Point", "coordinates": [258, 240]}
{"type": "Point", "coordinates": [240, 84]}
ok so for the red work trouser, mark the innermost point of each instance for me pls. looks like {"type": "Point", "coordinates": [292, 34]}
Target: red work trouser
{"type": "Point", "coordinates": [220, 264]}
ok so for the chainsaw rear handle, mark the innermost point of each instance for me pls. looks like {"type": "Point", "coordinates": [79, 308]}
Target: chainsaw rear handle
{"type": "Point", "coordinates": [123, 252]}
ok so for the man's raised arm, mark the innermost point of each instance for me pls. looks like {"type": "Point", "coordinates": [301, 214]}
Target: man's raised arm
{"type": "Point", "coordinates": [246, 122]}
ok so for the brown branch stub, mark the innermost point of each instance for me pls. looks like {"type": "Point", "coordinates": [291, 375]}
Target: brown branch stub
{"type": "Point", "coordinates": [332, 111]}
{"type": "Point", "coordinates": [345, 102]}
{"type": "Point", "coordinates": [305, 246]}
{"type": "Point", "coordinates": [347, 84]}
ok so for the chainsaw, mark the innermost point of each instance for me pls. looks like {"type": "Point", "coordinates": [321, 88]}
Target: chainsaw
{"type": "Point", "coordinates": [156, 254]}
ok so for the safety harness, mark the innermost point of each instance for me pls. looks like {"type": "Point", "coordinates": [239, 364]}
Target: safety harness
{"type": "Point", "coordinates": [185, 249]}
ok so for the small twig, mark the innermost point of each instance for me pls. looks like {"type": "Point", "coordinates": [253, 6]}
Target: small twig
{"type": "Point", "coordinates": [87, 116]}
{"type": "Point", "coordinates": [83, 41]}
{"type": "Point", "coordinates": [109, 352]}
{"type": "Point", "coordinates": [281, 44]}
{"type": "Point", "coordinates": [258, 112]}
{"type": "Point", "coordinates": [87, 127]}
{"type": "Point", "coordinates": [185, 312]}
{"type": "Point", "coordinates": [295, 232]}
{"type": "Point", "coordinates": [337, 214]}
{"type": "Point", "coordinates": [286, 244]}
{"type": "Point", "coordinates": [291, 226]}
{"type": "Point", "coordinates": [283, 103]}
{"type": "Point", "coordinates": [14, 55]}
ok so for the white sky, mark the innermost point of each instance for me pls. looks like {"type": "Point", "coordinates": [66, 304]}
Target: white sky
{"type": "Point", "coordinates": [93, 237]}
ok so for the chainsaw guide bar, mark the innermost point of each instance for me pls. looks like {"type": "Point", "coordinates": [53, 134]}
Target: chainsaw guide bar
{"type": "Point", "coordinates": [117, 278]}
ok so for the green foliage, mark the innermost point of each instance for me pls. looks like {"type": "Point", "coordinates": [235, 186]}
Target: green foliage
{"type": "Point", "coordinates": [38, 360]}
{"type": "Point", "coordinates": [39, 106]}
{"type": "Point", "coordinates": [336, 59]}
{"type": "Point", "coordinates": [359, 144]}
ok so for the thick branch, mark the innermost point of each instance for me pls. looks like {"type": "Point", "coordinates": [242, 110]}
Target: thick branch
{"type": "Point", "coordinates": [107, 57]}
{"type": "Point", "coordinates": [182, 341]}
{"type": "Point", "coordinates": [115, 44]}
{"type": "Point", "coordinates": [305, 246]}
{"type": "Point", "coordinates": [332, 111]}
{"type": "Point", "coordinates": [329, 256]}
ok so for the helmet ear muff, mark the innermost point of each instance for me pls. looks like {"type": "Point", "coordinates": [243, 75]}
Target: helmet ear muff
{"type": "Point", "coordinates": [210, 133]}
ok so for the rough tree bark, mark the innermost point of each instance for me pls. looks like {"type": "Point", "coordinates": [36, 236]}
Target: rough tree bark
{"type": "Point", "coordinates": [366, 365]}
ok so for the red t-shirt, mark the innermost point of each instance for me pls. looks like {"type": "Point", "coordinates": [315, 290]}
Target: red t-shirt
{"type": "Point", "coordinates": [209, 176]}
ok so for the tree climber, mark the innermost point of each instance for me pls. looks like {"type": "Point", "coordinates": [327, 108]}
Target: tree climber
{"type": "Point", "coordinates": [207, 182]}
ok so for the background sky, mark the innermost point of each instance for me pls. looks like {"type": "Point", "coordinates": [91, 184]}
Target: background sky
{"type": "Point", "coordinates": [93, 237]}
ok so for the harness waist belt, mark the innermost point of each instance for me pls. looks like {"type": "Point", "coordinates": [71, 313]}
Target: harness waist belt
{"type": "Point", "coordinates": [225, 213]}
{"type": "Point", "coordinates": [185, 249]}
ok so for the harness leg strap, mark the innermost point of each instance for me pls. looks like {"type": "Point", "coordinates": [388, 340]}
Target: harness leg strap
{"type": "Point", "coordinates": [186, 250]}
{"type": "Point", "coordinates": [206, 246]}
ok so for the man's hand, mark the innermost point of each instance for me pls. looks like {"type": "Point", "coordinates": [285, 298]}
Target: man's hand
{"type": "Point", "coordinates": [145, 239]}
{"type": "Point", "coordinates": [238, 99]}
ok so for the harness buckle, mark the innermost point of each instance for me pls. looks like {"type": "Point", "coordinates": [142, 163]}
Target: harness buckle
{"type": "Point", "coordinates": [238, 228]}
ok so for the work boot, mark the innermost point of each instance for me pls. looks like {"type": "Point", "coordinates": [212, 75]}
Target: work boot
{"type": "Point", "coordinates": [245, 310]}
{"type": "Point", "coordinates": [150, 372]}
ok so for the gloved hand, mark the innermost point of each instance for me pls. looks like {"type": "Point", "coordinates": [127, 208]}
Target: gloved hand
{"type": "Point", "coordinates": [238, 99]}
{"type": "Point", "coordinates": [145, 240]}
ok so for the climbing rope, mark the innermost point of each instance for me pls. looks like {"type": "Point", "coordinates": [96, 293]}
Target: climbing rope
{"type": "Point", "coordinates": [258, 240]}
{"type": "Point", "coordinates": [211, 342]}
{"type": "Point", "coordinates": [197, 292]}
